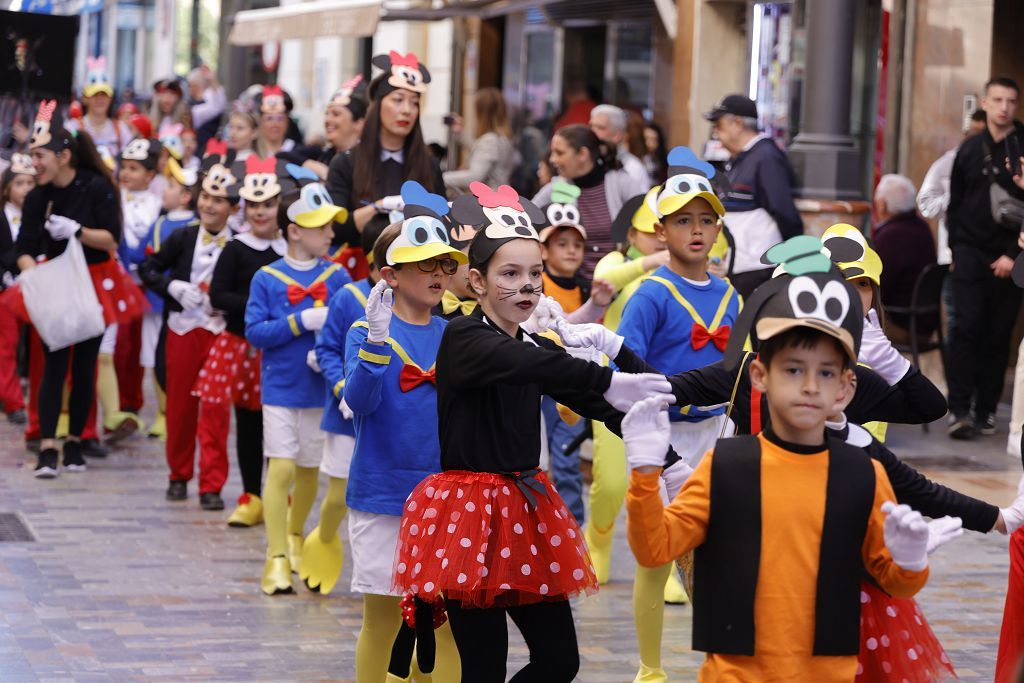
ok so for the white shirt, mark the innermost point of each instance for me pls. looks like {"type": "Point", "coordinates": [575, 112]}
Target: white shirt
{"type": "Point", "coordinates": [140, 209]}
{"type": "Point", "coordinates": [204, 259]}
{"type": "Point", "coordinates": [279, 245]}
{"type": "Point", "coordinates": [933, 200]}
{"type": "Point", "coordinates": [634, 168]}
{"type": "Point", "coordinates": [13, 215]}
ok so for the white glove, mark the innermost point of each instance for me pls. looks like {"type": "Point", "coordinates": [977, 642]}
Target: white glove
{"type": "Point", "coordinates": [548, 312]}
{"type": "Point", "coordinates": [313, 319]}
{"type": "Point", "coordinates": [590, 334]}
{"type": "Point", "coordinates": [1013, 516]}
{"type": "Point", "coordinates": [877, 352]}
{"type": "Point", "coordinates": [312, 362]}
{"type": "Point", "coordinates": [346, 412]}
{"type": "Point", "coordinates": [943, 530]}
{"type": "Point", "coordinates": [906, 536]}
{"type": "Point", "coordinates": [675, 476]}
{"type": "Point", "coordinates": [378, 312]}
{"type": "Point", "coordinates": [61, 228]}
{"type": "Point", "coordinates": [392, 203]}
{"type": "Point", "coordinates": [186, 294]}
{"type": "Point", "coordinates": [587, 353]}
{"type": "Point", "coordinates": [626, 389]}
{"type": "Point", "coordinates": [645, 431]}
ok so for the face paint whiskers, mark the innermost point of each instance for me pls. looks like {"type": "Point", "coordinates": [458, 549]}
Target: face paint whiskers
{"type": "Point", "coordinates": [525, 290]}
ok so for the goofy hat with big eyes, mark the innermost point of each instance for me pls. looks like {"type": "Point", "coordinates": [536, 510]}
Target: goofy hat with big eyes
{"type": "Point", "coordinates": [21, 164]}
{"type": "Point", "coordinates": [400, 72]}
{"type": "Point", "coordinates": [562, 212]}
{"type": "Point", "coordinates": [96, 78]}
{"type": "Point", "coordinates": [424, 231]}
{"type": "Point", "coordinates": [810, 291]}
{"type": "Point", "coordinates": [48, 130]}
{"type": "Point", "coordinates": [850, 251]}
{"type": "Point", "coordinates": [314, 207]}
{"type": "Point", "coordinates": [351, 95]}
{"type": "Point", "coordinates": [499, 216]}
{"type": "Point", "coordinates": [187, 177]}
{"type": "Point", "coordinates": [144, 151]}
{"type": "Point", "coordinates": [688, 178]}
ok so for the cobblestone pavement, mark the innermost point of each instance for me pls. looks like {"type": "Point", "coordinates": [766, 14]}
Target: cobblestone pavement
{"type": "Point", "coordinates": [122, 585]}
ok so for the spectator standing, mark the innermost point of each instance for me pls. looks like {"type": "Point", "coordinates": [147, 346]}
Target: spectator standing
{"type": "Point", "coordinates": [609, 124]}
{"type": "Point", "coordinates": [275, 107]}
{"type": "Point", "coordinates": [656, 156]}
{"type": "Point", "coordinates": [492, 156]}
{"type": "Point", "coordinates": [760, 211]}
{"type": "Point", "coordinates": [208, 103]}
{"type": "Point", "coordinates": [985, 300]}
{"type": "Point", "coordinates": [578, 103]}
{"type": "Point", "coordinates": [108, 133]}
{"type": "Point", "coordinates": [168, 106]}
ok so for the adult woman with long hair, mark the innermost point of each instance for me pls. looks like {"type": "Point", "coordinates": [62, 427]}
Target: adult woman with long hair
{"type": "Point", "coordinates": [75, 198]}
{"type": "Point", "coordinates": [583, 160]}
{"type": "Point", "coordinates": [344, 118]}
{"type": "Point", "coordinates": [655, 153]}
{"type": "Point", "coordinates": [492, 157]}
{"type": "Point", "coordinates": [168, 106]}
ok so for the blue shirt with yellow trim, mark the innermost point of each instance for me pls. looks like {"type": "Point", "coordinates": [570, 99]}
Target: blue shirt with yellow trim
{"type": "Point", "coordinates": [397, 442]}
{"type": "Point", "coordinates": [347, 306]}
{"type": "Point", "coordinates": [275, 326]}
{"type": "Point", "coordinates": [658, 326]}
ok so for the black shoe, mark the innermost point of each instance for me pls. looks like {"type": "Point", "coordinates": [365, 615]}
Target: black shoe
{"type": "Point", "coordinates": [985, 424]}
{"type": "Point", "coordinates": [17, 417]}
{"type": "Point", "coordinates": [211, 501]}
{"type": "Point", "coordinates": [73, 460]}
{"type": "Point", "coordinates": [92, 448]}
{"type": "Point", "coordinates": [32, 445]}
{"type": "Point", "coordinates": [961, 428]}
{"type": "Point", "coordinates": [177, 490]}
{"type": "Point", "coordinates": [46, 467]}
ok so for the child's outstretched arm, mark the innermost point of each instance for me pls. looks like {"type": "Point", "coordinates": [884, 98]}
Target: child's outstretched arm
{"type": "Point", "coordinates": [368, 352]}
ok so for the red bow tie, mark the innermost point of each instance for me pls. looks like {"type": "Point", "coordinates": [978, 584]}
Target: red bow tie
{"type": "Point", "coordinates": [699, 337]}
{"type": "Point", "coordinates": [317, 290]}
{"type": "Point", "coordinates": [412, 377]}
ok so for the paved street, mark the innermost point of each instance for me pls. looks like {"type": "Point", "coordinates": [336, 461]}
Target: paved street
{"type": "Point", "coordinates": [121, 585]}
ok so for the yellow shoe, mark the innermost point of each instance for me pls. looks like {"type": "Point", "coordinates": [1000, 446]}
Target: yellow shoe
{"type": "Point", "coordinates": [62, 426]}
{"type": "Point", "coordinates": [121, 425]}
{"type": "Point", "coordinates": [321, 562]}
{"type": "Point", "coordinates": [295, 551]}
{"type": "Point", "coordinates": [159, 428]}
{"type": "Point", "coordinates": [600, 545]}
{"type": "Point", "coordinates": [248, 513]}
{"type": "Point", "coordinates": [649, 675]}
{"type": "Point", "coordinates": [675, 594]}
{"type": "Point", "coordinates": [277, 576]}
{"type": "Point", "coordinates": [392, 678]}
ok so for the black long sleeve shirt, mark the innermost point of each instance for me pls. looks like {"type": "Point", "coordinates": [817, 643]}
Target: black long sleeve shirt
{"type": "Point", "coordinates": [229, 288]}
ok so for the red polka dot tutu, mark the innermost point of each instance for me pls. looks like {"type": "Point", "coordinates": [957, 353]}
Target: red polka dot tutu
{"type": "Point", "coordinates": [231, 373]}
{"type": "Point", "coordinates": [121, 298]}
{"type": "Point", "coordinates": [896, 642]}
{"type": "Point", "coordinates": [475, 537]}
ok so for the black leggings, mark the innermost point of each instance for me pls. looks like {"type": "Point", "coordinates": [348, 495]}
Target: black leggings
{"type": "Point", "coordinates": [82, 358]}
{"type": "Point", "coordinates": [249, 447]}
{"type": "Point", "coordinates": [482, 638]}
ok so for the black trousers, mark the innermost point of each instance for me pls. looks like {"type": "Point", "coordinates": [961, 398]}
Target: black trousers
{"type": "Point", "coordinates": [82, 359]}
{"type": "Point", "coordinates": [482, 638]}
{"type": "Point", "coordinates": [249, 448]}
{"type": "Point", "coordinates": [984, 311]}
{"type": "Point", "coordinates": [746, 283]}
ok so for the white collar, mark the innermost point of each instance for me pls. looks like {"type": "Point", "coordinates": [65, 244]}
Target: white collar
{"type": "Point", "coordinates": [398, 155]}
{"type": "Point", "coordinates": [259, 244]}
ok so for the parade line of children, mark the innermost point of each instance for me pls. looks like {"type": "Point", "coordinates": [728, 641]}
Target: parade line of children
{"type": "Point", "coordinates": [430, 391]}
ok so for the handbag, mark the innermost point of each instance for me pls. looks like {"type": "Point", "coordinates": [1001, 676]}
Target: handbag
{"type": "Point", "coordinates": [1007, 210]}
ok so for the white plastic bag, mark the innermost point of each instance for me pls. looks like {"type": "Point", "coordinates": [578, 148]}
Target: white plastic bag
{"type": "Point", "coordinates": [61, 301]}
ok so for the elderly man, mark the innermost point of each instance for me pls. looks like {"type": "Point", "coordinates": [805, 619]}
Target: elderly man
{"type": "Point", "coordinates": [759, 206]}
{"type": "Point", "coordinates": [609, 125]}
{"type": "Point", "coordinates": [208, 103]}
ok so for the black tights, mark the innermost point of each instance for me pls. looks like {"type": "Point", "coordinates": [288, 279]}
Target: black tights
{"type": "Point", "coordinates": [249, 447]}
{"type": "Point", "coordinates": [82, 359]}
{"type": "Point", "coordinates": [482, 638]}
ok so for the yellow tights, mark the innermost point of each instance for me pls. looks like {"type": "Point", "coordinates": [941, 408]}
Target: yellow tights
{"type": "Point", "coordinates": [649, 617]}
{"type": "Point", "coordinates": [332, 509]}
{"type": "Point", "coordinates": [382, 618]}
{"type": "Point", "coordinates": [281, 474]}
{"type": "Point", "coordinates": [607, 493]}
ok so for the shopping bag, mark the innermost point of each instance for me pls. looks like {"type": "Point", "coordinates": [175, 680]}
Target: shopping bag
{"type": "Point", "coordinates": [61, 300]}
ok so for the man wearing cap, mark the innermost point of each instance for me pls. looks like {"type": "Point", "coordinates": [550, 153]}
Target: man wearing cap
{"type": "Point", "coordinates": [759, 200]}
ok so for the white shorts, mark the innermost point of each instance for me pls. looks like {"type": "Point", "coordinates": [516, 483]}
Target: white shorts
{"type": "Point", "coordinates": [293, 434]}
{"type": "Point", "coordinates": [109, 341]}
{"type": "Point", "coordinates": [337, 458]}
{"type": "Point", "coordinates": [374, 541]}
{"type": "Point", "coordinates": [151, 324]}
{"type": "Point", "coordinates": [691, 440]}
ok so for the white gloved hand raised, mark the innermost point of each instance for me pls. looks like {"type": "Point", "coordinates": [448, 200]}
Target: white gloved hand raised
{"type": "Point", "coordinates": [590, 334]}
{"type": "Point", "coordinates": [312, 362]}
{"type": "Point", "coordinates": [392, 202]}
{"type": "Point", "coordinates": [186, 294]}
{"type": "Point", "coordinates": [645, 432]}
{"type": "Point", "coordinates": [1013, 516]}
{"type": "Point", "coordinates": [675, 476]}
{"type": "Point", "coordinates": [547, 313]}
{"type": "Point", "coordinates": [378, 312]}
{"type": "Point", "coordinates": [943, 530]}
{"type": "Point", "coordinates": [61, 227]}
{"type": "Point", "coordinates": [878, 353]}
{"type": "Point", "coordinates": [626, 389]}
{"type": "Point", "coordinates": [313, 319]}
{"type": "Point", "coordinates": [906, 536]}
{"type": "Point", "coordinates": [346, 412]}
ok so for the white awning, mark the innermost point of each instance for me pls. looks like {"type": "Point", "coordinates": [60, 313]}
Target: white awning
{"type": "Point", "coordinates": [321, 18]}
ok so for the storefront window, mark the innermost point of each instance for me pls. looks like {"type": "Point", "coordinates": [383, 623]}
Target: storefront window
{"type": "Point", "coordinates": [540, 93]}
{"type": "Point", "coordinates": [774, 74]}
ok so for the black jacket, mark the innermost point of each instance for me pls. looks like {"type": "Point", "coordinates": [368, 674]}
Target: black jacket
{"type": "Point", "coordinates": [229, 289]}
{"type": "Point", "coordinates": [8, 254]}
{"type": "Point", "coordinates": [172, 262]}
{"type": "Point", "coordinates": [762, 178]}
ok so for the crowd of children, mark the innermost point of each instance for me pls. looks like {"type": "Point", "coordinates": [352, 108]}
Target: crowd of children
{"type": "Point", "coordinates": [440, 363]}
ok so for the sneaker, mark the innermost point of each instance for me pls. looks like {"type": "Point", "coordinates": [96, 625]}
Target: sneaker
{"type": "Point", "coordinates": [92, 448]}
{"type": "Point", "coordinates": [177, 490]}
{"type": "Point", "coordinates": [960, 427]}
{"type": "Point", "coordinates": [73, 460]}
{"type": "Point", "coordinates": [17, 417]}
{"type": "Point", "coordinates": [46, 467]}
{"type": "Point", "coordinates": [211, 501]}
{"type": "Point", "coordinates": [985, 425]}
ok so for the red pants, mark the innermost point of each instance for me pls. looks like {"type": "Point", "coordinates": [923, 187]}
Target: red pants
{"type": "Point", "coordinates": [1011, 637]}
{"type": "Point", "coordinates": [187, 415]}
{"type": "Point", "coordinates": [35, 376]}
{"type": "Point", "coordinates": [10, 385]}
{"type": "Point", "coordinates": [126, 365]}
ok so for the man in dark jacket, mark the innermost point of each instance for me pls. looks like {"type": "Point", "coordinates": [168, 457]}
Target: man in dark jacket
{"type": "Point", "coordinates": [985, 300]}
{"type": "Point", "coordinates": [759, 206]}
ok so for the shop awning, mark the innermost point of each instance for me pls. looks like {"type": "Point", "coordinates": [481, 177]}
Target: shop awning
{"type": "Point", "coordinates": [321, 18]}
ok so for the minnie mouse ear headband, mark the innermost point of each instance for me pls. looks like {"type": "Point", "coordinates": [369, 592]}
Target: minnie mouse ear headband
{"type": "Point", "coordinates": [314, 207]}
{"type": "Point", "coordinates": [96, 78]}
{"type": "Point", "coordinates": [352, 95]}
{"type": "Point", "coordinates": [274, 100]}
{"type": "Point", "coordinates": [688, 178]}
{"type": "Point", "coordinates": [144, 151]}
{"type": "Point", "coordinates": [261, 179]}
{"type": "Point", "coordinates": [850, 251]}
{"type": "Point", "coordinates": [400, 72]}
{"type": "Point", "coordinates": [186, 177]}
{"type": "Point", "coordinates": [21, 164]}
{"type": "Point", "coordinates": [48, 129]}
{"type": "Point", "coordinates": [424, 232]}
{"type": "Point", "coordinates": [499, 216]}
{"type": "Point", "coordinates": [808, 290]}
{"type": "Point", "coordinates": [562, 212]}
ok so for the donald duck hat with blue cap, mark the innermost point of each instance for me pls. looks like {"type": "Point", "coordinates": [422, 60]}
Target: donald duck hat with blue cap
{"type": "Point", "coordinates": [424, 232]}
{"type": "Point", "coordinates": [689, 177]}
{"type": "Point", "coordinates": [314, 207]}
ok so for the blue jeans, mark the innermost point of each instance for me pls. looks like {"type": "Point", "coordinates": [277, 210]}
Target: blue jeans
{"type": "Point", "coordinates": [564, 466]}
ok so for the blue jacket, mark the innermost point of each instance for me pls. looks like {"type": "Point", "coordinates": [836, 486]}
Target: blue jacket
{"type": "Point", "coordinates": [158, 232]}
{"type": "Point", "coordinates": [660, 328]}
{"type": "Point", "coordinates": [275, 326]}
{"type": "Point", "coordinates": [347, 306]}
{"type": "Point", "coordinates": [397, 442]}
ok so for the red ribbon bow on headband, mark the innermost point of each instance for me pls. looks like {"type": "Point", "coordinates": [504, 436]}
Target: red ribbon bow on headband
{"type": "Point", "coordinates": [699, 337]}
{"type": "Point", "coordinates": [491, 199]}
{"type": "Point", "coordinates": [255, 164]}
{"type": "Point", "coordinates": [413, 376]}
{"type": "Point", "coordinates": [215, 147]}
{"type": "Point", "coordinates": [317, 290]}
{"type": "Point", "coordinates": [410, 60]}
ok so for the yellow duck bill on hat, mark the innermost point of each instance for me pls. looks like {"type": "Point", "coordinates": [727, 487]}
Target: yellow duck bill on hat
{"type": "Point", "coordinates": [670, 203]}
{"type": "Point", "coordinates": [314, 208]}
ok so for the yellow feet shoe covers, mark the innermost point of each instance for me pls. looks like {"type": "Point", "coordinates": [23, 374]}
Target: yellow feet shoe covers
{"type": "Point", "coordinates": [121, 425]}
{"type": "Point", "coordinates": [295, 551]}
{"type": "Point", "coordinates": [159, 428]}
{"type": "Point", "coordinates": [321, 562]}
{"type": "Point", "coordinates": [649, 675]}
{"type": "Point", "coordinates": [277, 576]}
{"type": "Point", "coordinates": [248, 513]}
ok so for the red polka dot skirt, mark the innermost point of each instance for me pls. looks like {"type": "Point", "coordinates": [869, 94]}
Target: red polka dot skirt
{"type": "Point", "coordinates": [896, 642]}
{"type": "Point", "coordinates": [121, 298]}
{"type": "Point", "coordinates": [477, 538]}
{"type": "Point", "coordinates": [231, 373]}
